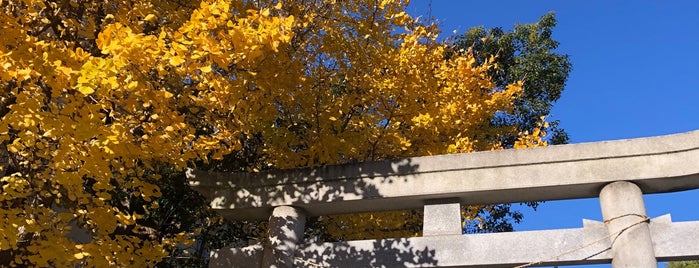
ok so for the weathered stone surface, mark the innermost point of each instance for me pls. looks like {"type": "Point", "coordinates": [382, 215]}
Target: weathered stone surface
{"type": "Point", "coordinates": [587, 245]}
{"type": "Point", "coordinates": [618, 171]}
{"type": "Point", "coordinates": [675, 241]}
{"type": "Point", "coordinates": [250, 256]}
{"type": "Point", "coordinates": [286, 227]}
{"type": "Point", "coordinates": [441, 217]}
{"type": "Point", "coordinates": [624, 213]}
{"type": "Point", "coordinates": [656, 164]}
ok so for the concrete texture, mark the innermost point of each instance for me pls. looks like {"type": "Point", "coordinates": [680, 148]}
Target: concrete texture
{"type": "Point", "coordinates": [619, 172]}
{"type": "Point", "coordinates": [656, 164]}
{"type": "Point", "coordinates": [674, 241]}
{"type": "Point", "coordinates": [285, 231]}
{"type": "Point", "coordinates": [441, 217]}
{"type": "Point", "coordinates": [587, 245]}
{"type": "Point", "coordinates": [250, 256]}
{"type": "Point", "coordinates": [624, 213]}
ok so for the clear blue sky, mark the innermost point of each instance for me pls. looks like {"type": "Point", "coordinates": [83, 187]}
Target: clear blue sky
{"type": "Point", "coordinates": [635, 74]}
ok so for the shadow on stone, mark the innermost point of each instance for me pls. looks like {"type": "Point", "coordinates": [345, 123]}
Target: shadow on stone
{"type": "Point", "coordinates": [251, 196]}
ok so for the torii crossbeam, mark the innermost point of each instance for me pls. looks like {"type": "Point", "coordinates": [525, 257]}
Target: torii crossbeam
{"type": "Point", "coordinates": [618, 172]}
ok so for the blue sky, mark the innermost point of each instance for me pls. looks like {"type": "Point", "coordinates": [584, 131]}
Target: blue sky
{"type": "Point", "coordinates": [635, 74]}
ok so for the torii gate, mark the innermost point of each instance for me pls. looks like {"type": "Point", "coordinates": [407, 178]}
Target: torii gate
{"type": "Point", "coordinates": [618, 172]}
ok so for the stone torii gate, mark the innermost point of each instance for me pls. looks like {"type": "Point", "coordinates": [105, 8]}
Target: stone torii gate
{"type": "Point", "coordinates": [618, 172]}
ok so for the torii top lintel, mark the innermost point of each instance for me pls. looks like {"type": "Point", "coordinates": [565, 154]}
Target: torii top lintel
{"type": "Point", "coordinates": [657, 164]}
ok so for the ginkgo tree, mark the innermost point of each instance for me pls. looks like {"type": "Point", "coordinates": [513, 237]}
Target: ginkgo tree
{"type": "Point", "coordinates": [101, 100]}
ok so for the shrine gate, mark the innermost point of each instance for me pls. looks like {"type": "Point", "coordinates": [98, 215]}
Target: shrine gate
{"type": "Point", "coordinates": [618, 172]}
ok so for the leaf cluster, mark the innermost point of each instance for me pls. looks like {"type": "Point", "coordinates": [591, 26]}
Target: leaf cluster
{"type": "Point", "coordinates": [527, 54]}
{"type": "Point", "coordinates": [104, 104]}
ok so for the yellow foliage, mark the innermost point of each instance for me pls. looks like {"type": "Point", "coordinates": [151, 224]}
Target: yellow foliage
{"type": "Point", "coordinates": [533, 139]}
{"type": "Point", "coordinates": [97, 95]}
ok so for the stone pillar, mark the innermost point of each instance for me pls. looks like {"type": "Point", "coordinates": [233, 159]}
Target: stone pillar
{"type": "Point", "coordinates": [286, 227]}
{"type": "Point", "coordinates": [441, 217]}
{"type": "Point", "coordinates": [624, 214]}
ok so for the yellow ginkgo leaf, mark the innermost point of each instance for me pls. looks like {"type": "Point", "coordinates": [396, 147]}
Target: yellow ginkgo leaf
{"type": "Point", "coordinates": [150, 18]}
{"type": "Point", "coordinates": [86, 90]}
{"type": "Point", "coordinates": [176, 60]}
